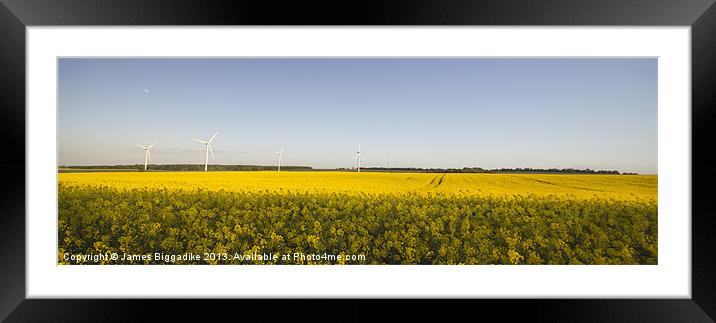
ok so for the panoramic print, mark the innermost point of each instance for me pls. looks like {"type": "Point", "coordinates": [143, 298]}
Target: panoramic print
{"type": "Point", "coordinates": [357, 161]}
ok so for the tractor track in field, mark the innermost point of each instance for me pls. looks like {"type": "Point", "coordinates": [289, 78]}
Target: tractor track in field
{"type": "Point", "coordinates": [564, 185]}
{"type": "Point", "coordinates": [435, 182]}
{"type": "Point", "coordinates": [432, 181]}
{"type": "Point", "coordinates": [441, 181]}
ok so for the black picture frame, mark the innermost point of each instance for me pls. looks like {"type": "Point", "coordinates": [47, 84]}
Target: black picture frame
{"type": "Point", "coordinates": [15, 15]}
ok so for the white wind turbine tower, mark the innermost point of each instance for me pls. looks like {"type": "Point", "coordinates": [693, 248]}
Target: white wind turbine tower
{"type": "Point", "coordinates": [359, 156]}
{"type": "Point", "coordinates": [278, 154]}
{"type": "Point", "coordinates": [147, 155]}
{"type": "Point", "coordinates": [208, 149]}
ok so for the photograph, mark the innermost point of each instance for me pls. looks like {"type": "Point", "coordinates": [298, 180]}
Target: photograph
{"type": "Point", "coordinates": [357, 161]}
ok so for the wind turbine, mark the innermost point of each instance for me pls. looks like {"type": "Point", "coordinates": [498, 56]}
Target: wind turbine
{"type": "Point", "coordinates": [278, 154]}
{"type": "Point", "coordinates": [359, 156]}
{"type": "Point", "coordinates": [208, 149]}
{"type": "Point", "coordinates": [147, 155]}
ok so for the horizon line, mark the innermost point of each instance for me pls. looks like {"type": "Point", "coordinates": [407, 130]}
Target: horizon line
{"type": "Point", "coordinates": [379, 167]}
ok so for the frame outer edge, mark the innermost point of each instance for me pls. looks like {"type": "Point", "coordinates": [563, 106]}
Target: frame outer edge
{"type": "Point", "coordinates": [12, 182]}
{"type": "Point", "coordinates": [12, 189]}
{"type": "Point", "coordinates": [353, 12]}
{"type": "Point", "coordinates": [703, 100]}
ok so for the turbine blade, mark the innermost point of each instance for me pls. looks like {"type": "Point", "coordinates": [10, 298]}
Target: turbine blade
{"type": "Point", "coordinates": [140, 146]}
{"type": "Point", "coordinates": [281, 152]}
{"type": "Point", "coordinates": [201, 141]}
{"type": "Point", "coordinates": [212, 152]}
{"type": "Point", "coordinates": [149, 155]}
{"type": "Point", "coordinates": [212, 137]}
{"type": "Point", "coordinates": [152, 145]}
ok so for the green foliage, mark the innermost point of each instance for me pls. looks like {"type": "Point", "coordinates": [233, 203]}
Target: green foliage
{"type": "Point", "coordinates": [180, 167]}
{"type": "Point", "coordinates": [386, 228]}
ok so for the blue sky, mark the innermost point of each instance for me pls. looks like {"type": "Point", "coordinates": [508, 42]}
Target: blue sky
{"type": "Point", "coordinates": [406, 112]}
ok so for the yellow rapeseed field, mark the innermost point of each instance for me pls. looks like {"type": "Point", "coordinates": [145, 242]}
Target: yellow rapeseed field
{"type": "Point", "coordinates": [619, 187]}
{"type": "Point", "coordinates": [356, 218]}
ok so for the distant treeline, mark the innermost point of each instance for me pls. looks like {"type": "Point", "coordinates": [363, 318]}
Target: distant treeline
{"type": "Point", "coordinates": [499, 170]}
{"type": "Point", "coordinates": [191, 167]}
{"type": "Point", "coordinates": [195, 167]}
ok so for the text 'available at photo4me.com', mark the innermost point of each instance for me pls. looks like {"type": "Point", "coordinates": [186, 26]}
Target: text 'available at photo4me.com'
{"type": "Point", "coordinates": [212, 258]}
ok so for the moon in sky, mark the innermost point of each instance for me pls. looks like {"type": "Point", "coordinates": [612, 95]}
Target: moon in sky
{"type": "Point", "coordinates": [146, 90]}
